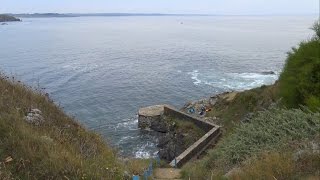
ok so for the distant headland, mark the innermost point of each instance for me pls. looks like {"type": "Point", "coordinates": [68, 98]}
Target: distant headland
{"type": "Point", "coordinates": [7, 18]}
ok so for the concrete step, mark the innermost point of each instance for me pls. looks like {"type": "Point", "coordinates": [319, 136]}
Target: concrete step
{"type": "Point", "coordinates": [167, 173]}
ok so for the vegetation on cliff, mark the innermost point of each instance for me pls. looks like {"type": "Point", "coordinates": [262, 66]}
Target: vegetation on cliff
{"type": "Point", "coordinates": [57, 147]}
{"type": "Point", "coordinates": [263, 136]}
{"type": "Point", "coordinates": [6, 18]}
{"type": "Point", "coordinates": [300, 79]}
{"type": "Point", "coordinates": [271, 132]}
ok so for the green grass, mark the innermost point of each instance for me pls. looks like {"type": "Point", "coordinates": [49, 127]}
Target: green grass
{"type": "Point", "coordinates": [60, 148]}
{"type": "Point", "coordinates": [191, 131]}
{"type": "Point", "coordinates": [269, 131]}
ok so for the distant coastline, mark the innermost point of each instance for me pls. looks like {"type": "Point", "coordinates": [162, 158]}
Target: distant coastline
{"type": "Point", "coordinates": [55, 15]}
{"type": "Point", "coordinates": [48, 15]}
{"type": "Point", "coordinates": [43, 15]}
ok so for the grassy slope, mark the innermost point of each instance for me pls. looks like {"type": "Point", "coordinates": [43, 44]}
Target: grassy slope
{"type": "Point", "coordinates": [58, 149]}
{"type": "Point", "coordinates": [232, 112]}
{"type": "Point", "coordinates": [270, 132]}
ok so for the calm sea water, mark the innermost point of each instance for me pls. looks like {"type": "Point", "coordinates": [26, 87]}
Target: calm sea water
{"type": "Point", "coordinates": [102, 69]}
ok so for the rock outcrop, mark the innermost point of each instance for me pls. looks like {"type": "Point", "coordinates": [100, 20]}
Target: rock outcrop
{"type": "Point", "coordinates": [34, 116]}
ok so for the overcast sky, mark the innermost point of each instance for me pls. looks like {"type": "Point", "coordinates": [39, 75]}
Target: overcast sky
{"type": "Point", "coordinates": [224, 7]}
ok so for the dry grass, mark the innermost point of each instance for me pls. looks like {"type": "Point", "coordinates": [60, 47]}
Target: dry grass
{"type": "Point", "coordinates": [280, 166]}
{"type": "Point", "coordinates": [59, 148]}
{"type": "Point", "coordinates": [269, 166]}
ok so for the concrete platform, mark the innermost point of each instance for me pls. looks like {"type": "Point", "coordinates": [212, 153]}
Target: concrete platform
{"type": "Point", "coordinates": [151, 111]}
{"type": "Point", "coordinates": [167, 173]}
{"type": "Point", "coordinates": [149, 115]}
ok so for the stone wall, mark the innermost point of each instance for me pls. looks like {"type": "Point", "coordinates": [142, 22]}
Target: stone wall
{"type": "Point", "coordinates": [151, 117]}
{"type": "Point", "coordinates": [196, 148]}
{"type": "Point", "coordinates": [213, 132]}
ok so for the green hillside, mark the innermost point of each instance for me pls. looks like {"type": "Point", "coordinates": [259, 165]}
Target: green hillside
{"type": "Point", "coordinates": [271, 132]}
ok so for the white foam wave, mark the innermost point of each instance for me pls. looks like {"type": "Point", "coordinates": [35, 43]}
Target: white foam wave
{"type": "Point", "coordinates": [129, 123]}
{"type": "Point", "coordinates": [142, 151]}
{"type": "Point", "coordinates": [194, 75]}
{"type": "Point", "coordinates": [233, 81]}
{"type": "Point", "coordinates": [78, 67]}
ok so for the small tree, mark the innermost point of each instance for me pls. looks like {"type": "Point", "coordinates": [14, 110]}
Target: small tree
{"type": "Point", "coordinates": [316, 28]}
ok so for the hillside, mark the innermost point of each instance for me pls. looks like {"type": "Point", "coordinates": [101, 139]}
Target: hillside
{"type": "Point", "coordinates": [271, 132]}
{"type": "Point", "coordinates": [39, 141]}
{"type": "Point", "coordinates": [7, 18]}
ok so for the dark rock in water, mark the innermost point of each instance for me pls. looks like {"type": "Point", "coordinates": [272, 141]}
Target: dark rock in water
{"type": "Point", "coordinates": [268, 73]}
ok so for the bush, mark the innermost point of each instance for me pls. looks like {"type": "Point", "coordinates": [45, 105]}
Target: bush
{"type": "Point", "coordinates": [270, 130]}
{"type": "Point", "coordinates": [300, 79]}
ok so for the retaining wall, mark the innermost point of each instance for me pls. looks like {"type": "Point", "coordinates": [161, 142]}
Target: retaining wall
{"type": "Point", "coordinates": [213, 132]}
{"type": "Point", "coordinates": [196, 148]}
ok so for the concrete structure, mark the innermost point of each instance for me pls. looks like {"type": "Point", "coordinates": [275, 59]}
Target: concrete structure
{"type": "Point", "coordinates": [149, 114]}
{"type": "Point", "coordinates": [154, 113]}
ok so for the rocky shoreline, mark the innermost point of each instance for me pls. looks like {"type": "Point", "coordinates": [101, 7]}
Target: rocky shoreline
{"type": "Point", "coordinates": [173, 139]}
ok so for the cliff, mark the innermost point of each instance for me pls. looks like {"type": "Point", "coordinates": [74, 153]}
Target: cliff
{"type": "Point", "coordinates": [39, 141]}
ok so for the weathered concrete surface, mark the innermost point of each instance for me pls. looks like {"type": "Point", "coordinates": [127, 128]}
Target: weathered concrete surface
{"type": "Point", "coordinates": [167, 173]}
{"type": "Point", "coordinates": [150, 111]}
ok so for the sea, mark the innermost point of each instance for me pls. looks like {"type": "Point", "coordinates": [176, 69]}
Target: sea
{"type": "Point", "coordinates": [101, 70]}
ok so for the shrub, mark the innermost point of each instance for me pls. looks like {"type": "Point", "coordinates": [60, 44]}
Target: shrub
{"type": "Point", "coordinates": [300, 79]}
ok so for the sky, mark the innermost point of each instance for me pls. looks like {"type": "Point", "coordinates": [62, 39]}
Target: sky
{"type": "Point", "coordinates": [222, 7]}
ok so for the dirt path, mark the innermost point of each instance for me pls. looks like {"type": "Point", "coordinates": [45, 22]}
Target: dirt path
{"type": "Point", "coordinates": [167, 173]}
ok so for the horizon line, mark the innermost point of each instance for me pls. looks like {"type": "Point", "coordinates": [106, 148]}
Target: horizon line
{"type": "Point", "coordinates": [157, 14]}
